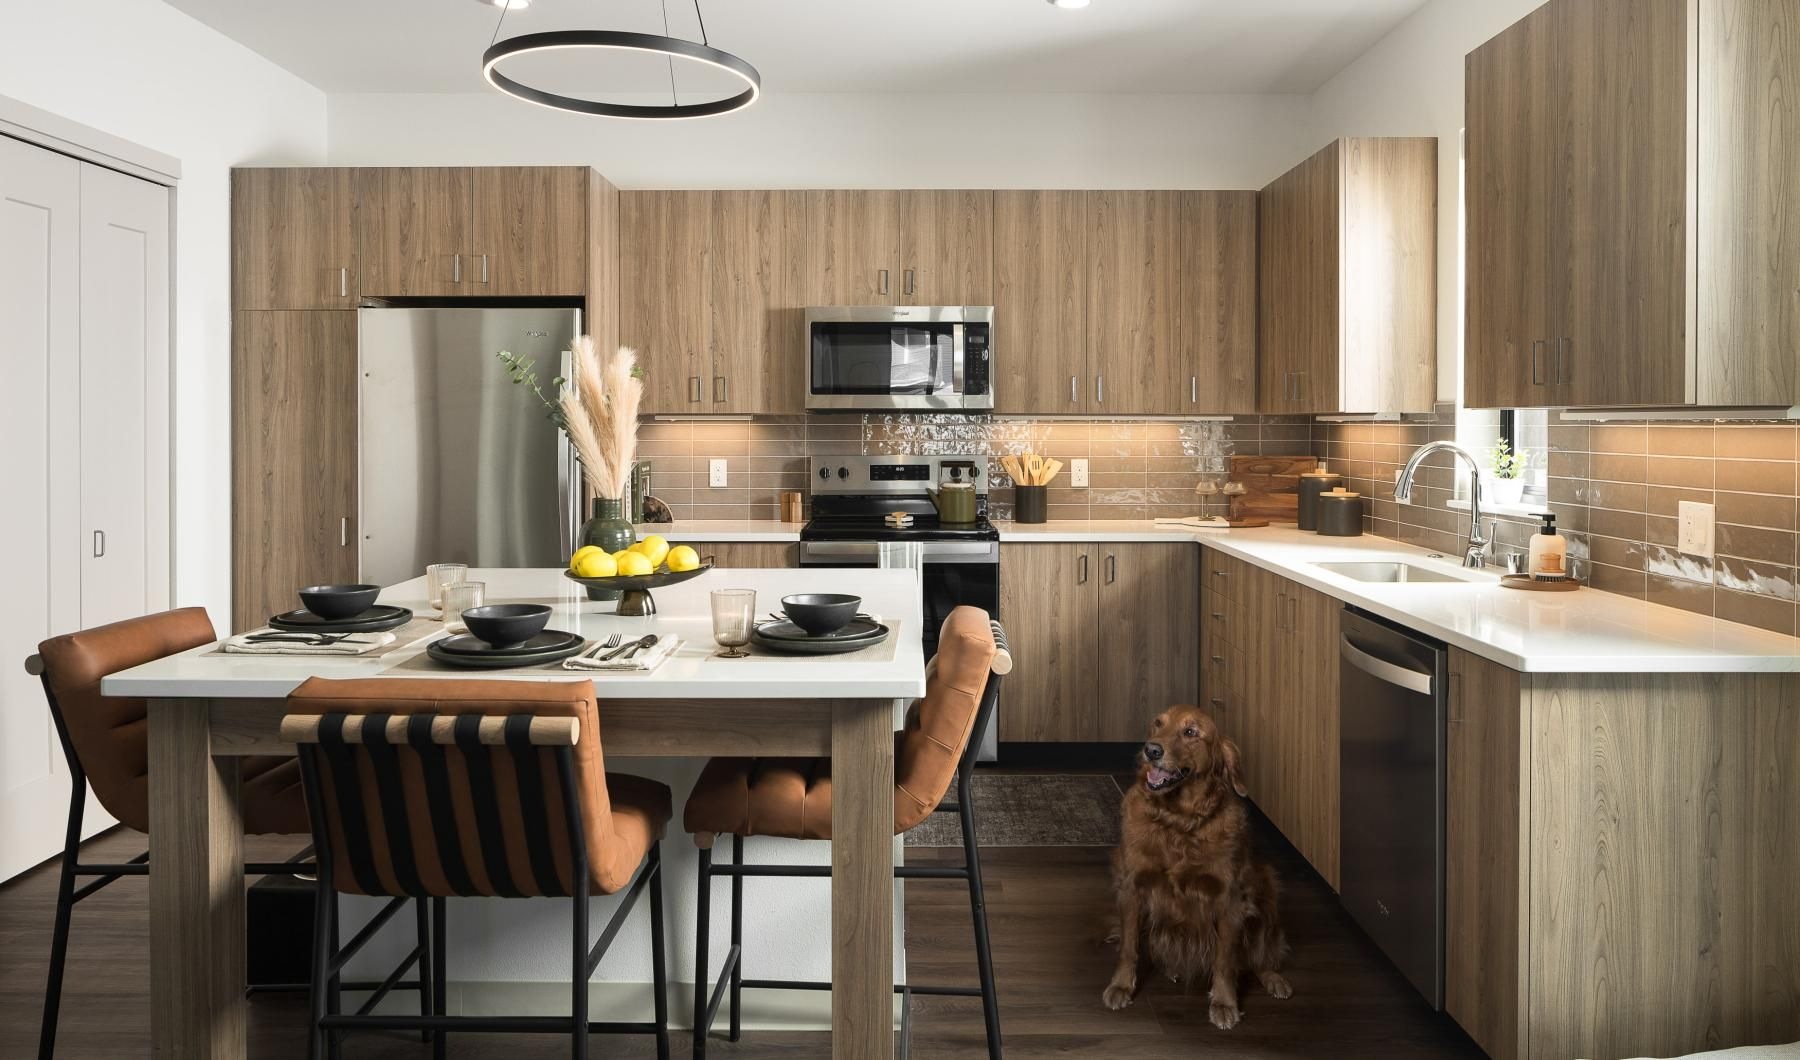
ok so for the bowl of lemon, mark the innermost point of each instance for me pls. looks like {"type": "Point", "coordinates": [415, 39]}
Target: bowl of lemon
{"type": "Point", "coordinates": [649, 564]}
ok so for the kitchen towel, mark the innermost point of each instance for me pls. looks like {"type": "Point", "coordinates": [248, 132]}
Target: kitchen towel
{"type": "Point", "coordinates": [352, 644]}
{"type": "Point", "coordinates": [648, 659]}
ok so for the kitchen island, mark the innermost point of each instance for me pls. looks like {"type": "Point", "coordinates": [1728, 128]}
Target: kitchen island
{"type": "Point", "coordinates": [207, 710]}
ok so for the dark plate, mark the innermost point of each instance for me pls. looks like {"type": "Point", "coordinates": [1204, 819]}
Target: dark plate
{"type": "Point", "coordinates": [497, 661]}
{"type": "Point", "coordinates": [470, 644]}
{"type": "Point", "coordinates": [857, 629]}
{"type": "Point", "coordinates": [377, 619]}
{"type": "Point", "coordinates": [820, 645]}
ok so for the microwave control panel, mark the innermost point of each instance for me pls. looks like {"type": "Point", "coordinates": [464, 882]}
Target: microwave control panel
{"type": "Point", "coordinates": [977, 362]}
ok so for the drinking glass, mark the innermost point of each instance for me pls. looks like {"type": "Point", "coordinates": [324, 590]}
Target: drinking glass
{"type": "Point", "coordinates": [440, 576]}
{"type": "Point", "coordinates": [459, 598]}
{"type": "Point", "coordinates": [733, 617]}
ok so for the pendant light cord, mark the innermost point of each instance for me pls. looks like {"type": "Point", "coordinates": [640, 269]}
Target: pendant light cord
{"type": "Point", "coordinates": [702, 19]}
{"type": "Point", "coordinates": [504, 8]}
{"type": "Point", "coordinates": [670, 59]}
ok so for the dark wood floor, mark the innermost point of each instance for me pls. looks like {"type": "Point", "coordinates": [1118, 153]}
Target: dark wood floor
{"type": "Point", "coordinates": [1048, 908]}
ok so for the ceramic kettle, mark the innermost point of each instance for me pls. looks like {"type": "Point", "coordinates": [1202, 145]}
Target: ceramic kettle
{"type": "Point", "coordinates": [955, 499]}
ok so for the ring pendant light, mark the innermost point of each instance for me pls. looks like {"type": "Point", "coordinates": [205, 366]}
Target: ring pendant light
{"type": "Point", "coordinates": [615, 40]}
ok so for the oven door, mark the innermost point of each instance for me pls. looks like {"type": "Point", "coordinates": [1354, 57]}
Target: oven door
{"type": "Point", "coordinates": [887, 357]}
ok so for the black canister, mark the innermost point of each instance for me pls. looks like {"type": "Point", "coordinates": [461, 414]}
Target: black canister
{"type": "Point", "coordinates": [1340, 514]}
{"type": "Point", "coordinates": [1313, 483]}
{"type": "Point", "coordinates": [1028, 503]}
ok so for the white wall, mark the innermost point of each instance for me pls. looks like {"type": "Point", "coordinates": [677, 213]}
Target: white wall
{"type": "Point", "coordinates": [1411, 84]}
{"type": "Point", "coordinates": [143, 71]}
{"type": "Point", "coordinates": [813, 141]}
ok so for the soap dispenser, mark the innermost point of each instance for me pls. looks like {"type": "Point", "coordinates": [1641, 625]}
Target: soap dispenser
{"type": "Point", "coordinates": [1549, 552]}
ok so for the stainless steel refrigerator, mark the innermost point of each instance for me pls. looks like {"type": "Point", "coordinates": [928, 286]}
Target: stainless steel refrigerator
{"type": "Point", "coordinates": [457, 463]}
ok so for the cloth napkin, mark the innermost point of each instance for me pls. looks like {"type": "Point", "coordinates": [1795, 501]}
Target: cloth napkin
{"type": "Point", "coordinates": [354, 644]}
{"type": "Point", "coordinates": [648, 659]}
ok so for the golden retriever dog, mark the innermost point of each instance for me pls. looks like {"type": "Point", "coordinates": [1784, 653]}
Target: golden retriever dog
{"type": "Point", "coordinates": [1189, 896]}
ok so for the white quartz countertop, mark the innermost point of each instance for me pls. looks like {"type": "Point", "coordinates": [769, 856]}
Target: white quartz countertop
{"type": "Point", "coordinates": [691, 673]}
{"type": "Point", "coordinates": [1076, 530]}
{"type": "Point", "coordinates": [722, 530]}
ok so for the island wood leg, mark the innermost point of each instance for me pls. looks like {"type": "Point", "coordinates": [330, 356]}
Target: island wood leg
{"type": "Point", "coordinates": [862, 880]}
{"type": "Point", "coordinates": [196, 889]}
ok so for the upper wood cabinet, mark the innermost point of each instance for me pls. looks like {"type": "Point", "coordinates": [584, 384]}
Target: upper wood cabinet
{"type": "Point", "coordinates": [1040, 300]}
{"type": "Point", "coordinates": [706, 298]}
{"type": "Point", "coordinates": [1347, 247]}
{"type": "Point", "coordinates": [291, 239]}
{"type": "Point", "coordinates": [899, 248]}
{"type": "Point", "coordinates": [1631, 240]}
{"type": "Point", "coordinates": [1171, 309]}
{"type": "Point", "coordinates": [528, 227]}
{"type": "Point", "coordinates": [413, 231]}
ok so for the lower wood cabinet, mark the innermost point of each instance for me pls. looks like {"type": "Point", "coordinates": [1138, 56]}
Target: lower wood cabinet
{"type": "Point", "coordinates": [1102, 636]}
{"type": "Point", "coordinates": [293, 429]}
{"type": "Point", "coordinates": [742, 555]}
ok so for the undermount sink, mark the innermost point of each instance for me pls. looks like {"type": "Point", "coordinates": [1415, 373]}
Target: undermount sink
{"type": "Point", "coordinates": [1389, 571]}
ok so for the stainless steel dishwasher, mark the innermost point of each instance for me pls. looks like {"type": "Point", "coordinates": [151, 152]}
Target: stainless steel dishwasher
{"type": "Point", "coordinates": [1393, 689]}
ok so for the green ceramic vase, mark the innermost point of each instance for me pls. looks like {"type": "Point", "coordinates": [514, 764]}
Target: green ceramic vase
{"type": "Point", "coordinates": [609, 530]}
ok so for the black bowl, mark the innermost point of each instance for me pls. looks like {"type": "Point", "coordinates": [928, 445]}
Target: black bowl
{"type": "Point", "coordinates": [504, 625]}
{"type": "Point", "coordinates": [821, 613]}
{"type": "Point", "coordinates": [339, 601]}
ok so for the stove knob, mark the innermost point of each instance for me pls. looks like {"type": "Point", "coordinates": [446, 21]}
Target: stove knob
{"type": "Point", "coordinates": [825, 472]}
{"type": "Point", "coordinates": [843, 472]}
{"type": "Point", "coordinates": [975, 471]}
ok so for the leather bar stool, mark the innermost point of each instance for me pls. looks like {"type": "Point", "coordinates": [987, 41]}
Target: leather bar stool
{"type": "Point", "coordinates": [791, 798]}
{"type": "Point", "coordinates": [424, 788]}
{"type": "Point", "coordinates": [105, 740]}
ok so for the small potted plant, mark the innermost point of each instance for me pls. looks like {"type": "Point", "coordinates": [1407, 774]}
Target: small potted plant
{"type": "Point", "coordinates": [1505, 481]}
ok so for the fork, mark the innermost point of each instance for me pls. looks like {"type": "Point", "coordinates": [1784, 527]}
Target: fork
{"type": "Point", "coordinates": [313, 640]}
{"type": "Point", "coordinates": [600, 646]}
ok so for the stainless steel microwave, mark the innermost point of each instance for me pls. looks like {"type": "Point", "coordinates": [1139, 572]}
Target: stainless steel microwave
{"type": "Point", "coordinates": [883, 358]}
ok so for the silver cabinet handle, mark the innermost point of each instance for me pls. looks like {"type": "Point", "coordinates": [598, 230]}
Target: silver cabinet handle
{"type": "Point", "coordinates": [484, 268]}
{"type": "Point", "coordinates": [1193, 390]}
{"type": "Point", "coordinates": [1299, 386]}
{"type": "Point", "coordinates": [1112, 569]}
{"type": "Point", "coordinates": [694, 389]}
{"type": "Point", "coordinates": [99, 543]}
{"type": "Point", "coordinates": [1280, 611]}
{"type": "Point", "coordinates": [911, 286]}
{"type": "Point", "coordinates": [1381, 669]}
{"type": "Point", "coordinates": [1099, 390]}
{"type": "Point", "coordinates": [456, 268]}
{"type": "Point", "coordinates": [343, 282]}
{"type": "Point", "coordinates": [344, 531]}
{"type": "Point", "coordinates": [719, 390]}
{"type": "Point", "coordinates": [1537, 347]}
{"type": "Point", "coordinates": [1082, 571]}
{"type": "Point", "coordinates": [883, 282]}
{"type": "Point", "coordinates": [1293, 621]}
{"type": "Point", "coordinates": [1074, 391]}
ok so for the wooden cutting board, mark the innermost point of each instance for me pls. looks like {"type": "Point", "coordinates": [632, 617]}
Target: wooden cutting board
{"type": "Point", "coordinates": [1273, 485]}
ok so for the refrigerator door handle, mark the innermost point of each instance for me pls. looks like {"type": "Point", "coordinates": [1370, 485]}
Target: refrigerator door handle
{"type": "Point", "coordinates": [568, 476]}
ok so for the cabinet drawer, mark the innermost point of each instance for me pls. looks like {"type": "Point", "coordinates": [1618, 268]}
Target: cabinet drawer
{"type": "Point", "coordinates": [1215, 620]}
{"type": "Point", "coordinates": [1223, 573]}
{"type": "Point", "coordinates": [1219, 665]}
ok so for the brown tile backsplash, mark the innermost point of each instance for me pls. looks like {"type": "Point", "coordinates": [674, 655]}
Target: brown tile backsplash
{"type": "Point", "coordinates": [1616, 490]}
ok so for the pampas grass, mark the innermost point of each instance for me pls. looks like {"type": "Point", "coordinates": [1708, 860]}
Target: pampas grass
{"type": "Point", "coordinates": [600, 411]}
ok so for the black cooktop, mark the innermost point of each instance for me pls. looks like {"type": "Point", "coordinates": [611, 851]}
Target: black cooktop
{"type": "Point", "coordinates": [867, 528]}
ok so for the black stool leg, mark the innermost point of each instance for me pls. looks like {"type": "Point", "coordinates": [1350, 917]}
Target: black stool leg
{"type": "Point", "coordinates": [659, 972]}
{"type": "Point", "coordinates": [59, 935]}
{"type": "Point", "coordinates": [334, 993]}
{"type": "Point", "coordinates": [984, 958]}
{"type": "Point", "coordinates": [702, 933]}
{"type": "Point", "coordinates": [737, 938]}
{"type": "Point", "coordinates": [323, 952]}
{"type": "Point", "coordinates": [440, 962]}
{"type": "Point", "coordinates": [579, 1000]}
{"type": "Point", "coordinates": [422, 918]}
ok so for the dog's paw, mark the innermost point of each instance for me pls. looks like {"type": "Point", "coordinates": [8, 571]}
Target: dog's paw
{"type": "Point", "coordinates": [1118, 994]}
{"type": "Point", "coordinates": [1223, 1015]}
{"type": "Point", "coordinates": [1276, 985]}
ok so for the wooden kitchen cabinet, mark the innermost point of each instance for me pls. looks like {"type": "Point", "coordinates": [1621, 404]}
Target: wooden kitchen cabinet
{"type": "Point", "coordinates": [292, 243]}
{"type": "Point", "coordinates": [665, 310]}
{"type": "Point", "coordinates": [294, 464]}
{"type": "Point", "coordinates": [1102, 636]}
{"type": "Point", "coordinates": [1040, 300]}
{"type": "Point", "coordinates": [742, 555]}
{"type": "Point", "coordinates": [852, 248]}
{"type": "Point", "coordinates": [1644, 256]}
{"type": "Point", "coordinates": [899, 248]}
{"type": "Point", "coordinates": [528, 225]}
{"type": "Point", "coordinates": [413, 231]}
{"type": "Point", "coordinates": [1347, 248]}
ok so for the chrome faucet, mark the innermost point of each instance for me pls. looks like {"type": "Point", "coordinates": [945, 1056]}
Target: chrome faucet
{"type": "Point", "coordinates": [1477, 554]}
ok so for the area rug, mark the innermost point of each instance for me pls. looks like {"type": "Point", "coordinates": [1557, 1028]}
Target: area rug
{"type": "Point", "coordinates": [1012, 810]}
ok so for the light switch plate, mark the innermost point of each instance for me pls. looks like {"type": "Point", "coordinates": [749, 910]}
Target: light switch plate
{"type": "Point", "coordinates": [1696, 532]}
{"type": "Point", "coordinates": [715, 473]}
{"type": "Point", "coordinates": [1078, 473]}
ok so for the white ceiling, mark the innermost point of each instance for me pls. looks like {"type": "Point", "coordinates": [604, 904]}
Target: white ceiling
{"type": "Point", "coordinates": [1154, 46]}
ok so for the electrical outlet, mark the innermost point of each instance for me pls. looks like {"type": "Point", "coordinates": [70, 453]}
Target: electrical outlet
{"type": "Point", "coordinates": [1696, 530]}
{"type": "Point", "coordinates": [715, 473]}
{"type": "Point", "coordinates": [1078, 473]}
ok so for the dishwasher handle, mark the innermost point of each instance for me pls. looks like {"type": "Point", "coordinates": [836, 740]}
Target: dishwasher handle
{"type": "Point", "coordinates": [1381, 669]}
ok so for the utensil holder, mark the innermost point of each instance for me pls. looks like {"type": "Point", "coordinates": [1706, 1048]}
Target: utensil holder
{"type": "Point", "coordinates": [1029, 503]}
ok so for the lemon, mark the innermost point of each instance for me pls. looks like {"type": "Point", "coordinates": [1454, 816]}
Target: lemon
{"type": "Point", "coordinates": [580, 554]}
{"type": "Point", "coordinates": [653, 547]}
{"type": "Point", "coordinates": [635, 563]}
{"type": "Point", "coordinates": [596, 564]}
{"type": "Point", "coordinates": [619, 556]}
{"type": "Point", "coordinates": [681, 557]}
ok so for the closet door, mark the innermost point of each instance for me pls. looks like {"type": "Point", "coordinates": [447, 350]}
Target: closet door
{"type": "Point", "coordinates": [124, 396]}
{"type": "Point", "coordinates": [40, 418]}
